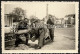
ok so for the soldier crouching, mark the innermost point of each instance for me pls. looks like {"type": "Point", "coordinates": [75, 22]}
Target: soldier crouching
{"type": "Point", "coordinates": [39, 34]}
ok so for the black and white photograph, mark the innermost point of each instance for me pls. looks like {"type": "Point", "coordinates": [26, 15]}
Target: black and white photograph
{"type": "Point", "coordinates": [44, 27]}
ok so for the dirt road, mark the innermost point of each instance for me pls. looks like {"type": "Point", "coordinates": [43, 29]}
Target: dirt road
{"type": "Point", "coordinates": [64, 40]}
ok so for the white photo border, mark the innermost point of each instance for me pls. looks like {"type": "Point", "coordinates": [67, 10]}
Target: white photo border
{"type": "Point", "coordinates": [40, 51]}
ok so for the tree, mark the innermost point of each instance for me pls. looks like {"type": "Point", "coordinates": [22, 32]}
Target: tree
{"type": "Point", "coordinates": [33, 18]}
{"type": "Point", "coordinates": [18, 13]}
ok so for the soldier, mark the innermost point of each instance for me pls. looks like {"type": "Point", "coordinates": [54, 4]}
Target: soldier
{"type": "Point", "coordinates": [39, 33]}
{"type": "Point", "coordinates": [41, 38]}
{"type": "Point", "coordinates": [22, 32]}
{"type": "Point", "coordinates": [50, 21]}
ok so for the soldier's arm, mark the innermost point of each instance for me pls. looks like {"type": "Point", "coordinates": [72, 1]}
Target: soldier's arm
{"type": "Point", "coordinates": [52, 20]}
{"type": "Point", "coordinates": [23, 31]}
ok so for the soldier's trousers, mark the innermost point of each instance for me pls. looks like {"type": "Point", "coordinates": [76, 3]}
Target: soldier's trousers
{"type": "Point", "coordinates": [51, 32]}
{"type": "Point", "coordinates": [41, 37]}
{"type": "Point", "coordinates": [19, 41]}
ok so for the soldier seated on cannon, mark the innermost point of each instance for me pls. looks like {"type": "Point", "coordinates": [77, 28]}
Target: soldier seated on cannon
{"type": "Point", "coordinates": [22, 33]}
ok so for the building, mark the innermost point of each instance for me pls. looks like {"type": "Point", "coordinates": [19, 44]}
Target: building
{"type": "Point", "coordinates": [59, 23]}
{"type": "Point", "coordinates": [8, 19]}
{"type": "Point", "coordinates": [69, 20]}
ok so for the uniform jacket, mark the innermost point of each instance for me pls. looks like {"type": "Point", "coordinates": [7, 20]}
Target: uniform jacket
{"type": "Point", "coordinates": [50, 21]}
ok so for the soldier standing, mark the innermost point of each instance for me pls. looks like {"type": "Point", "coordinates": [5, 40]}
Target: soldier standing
{"type": "Point", "coordinates": [50, 21]}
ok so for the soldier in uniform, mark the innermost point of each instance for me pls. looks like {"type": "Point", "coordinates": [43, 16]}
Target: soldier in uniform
{"type": "Point", "coordinates": [39, 33]}
{"type": "Point", "coordinates": [22, 31]}
{"type": "Point", "coordinates": [50, 21]}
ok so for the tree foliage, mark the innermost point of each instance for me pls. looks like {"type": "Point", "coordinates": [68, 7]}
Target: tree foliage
{"type": "Point", "coordinates": [33, 18]}
{"type": "Point", "coordinates": [18, 13]}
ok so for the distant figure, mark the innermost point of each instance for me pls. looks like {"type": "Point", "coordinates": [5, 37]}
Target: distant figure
{"type": "Point", "coordinates": [50, 21]}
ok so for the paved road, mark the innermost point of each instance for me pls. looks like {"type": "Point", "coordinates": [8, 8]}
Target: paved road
{"type": "Point", "coordinates": [64, 40]}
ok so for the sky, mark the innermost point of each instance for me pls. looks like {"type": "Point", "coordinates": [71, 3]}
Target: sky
{"type": "Point", "coordinates": [38, 9]}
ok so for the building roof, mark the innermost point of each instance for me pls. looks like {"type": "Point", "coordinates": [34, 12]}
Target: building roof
{"type": "Point", "coordinates": [11, 15]}
{"type": "Point", "coordinates": [70, 15]}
